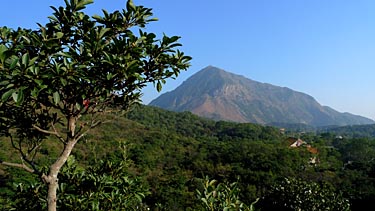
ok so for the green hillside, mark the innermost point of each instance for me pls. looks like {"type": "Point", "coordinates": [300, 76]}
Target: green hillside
{"type": "Point", "coordinates": [353, 131]}
{"type": "Point", "coordinates": [169, 153]}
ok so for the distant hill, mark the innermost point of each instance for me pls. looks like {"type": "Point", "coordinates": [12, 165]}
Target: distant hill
{"type": "Point", "coordinates": [220, 95]}
{"type": "Point", "coordinates": [351, 131]}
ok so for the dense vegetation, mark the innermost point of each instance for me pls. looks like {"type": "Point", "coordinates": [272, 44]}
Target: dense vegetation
{"type": "Point", "coordinates": [352, 131]}
{"type": "Point", "coordinates": [349, 131]}
{"type": "Point", "coordinates": [168, 159]}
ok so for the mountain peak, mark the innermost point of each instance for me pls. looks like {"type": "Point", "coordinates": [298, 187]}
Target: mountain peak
{"type": "Point", "coordinates": [215, 93]}
{"type": "Point", "coordinates": [211, 72]}
{"type": "Point", "coordinates": [212, 69]}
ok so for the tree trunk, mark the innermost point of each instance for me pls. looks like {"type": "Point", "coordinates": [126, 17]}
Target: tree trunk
{"type": "Point", "coordinates": [52, 178]}
{"type": "Point", "coordinates": [52, 194]}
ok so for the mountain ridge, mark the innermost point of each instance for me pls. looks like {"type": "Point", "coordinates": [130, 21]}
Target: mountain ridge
{"type": "Point", "coordinates": [220, 95]}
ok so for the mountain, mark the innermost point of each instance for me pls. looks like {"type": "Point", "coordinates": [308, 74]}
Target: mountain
{"type": "Point", "coordinates": [220, 95]}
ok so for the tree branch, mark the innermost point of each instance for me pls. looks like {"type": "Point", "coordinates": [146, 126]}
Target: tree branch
{"type": "Point", "coordinates": [24, 158]}
{"type": "Point", "coordinates": [13, 144]}
{"type": "Point", "coordinates": [18, 165]}
{"type": "Point", "coordinates": [57, 134]}
{"type": "Point", "coordinates": [45, 131]}
{"type": "Point", "coordinates": [54, 132]}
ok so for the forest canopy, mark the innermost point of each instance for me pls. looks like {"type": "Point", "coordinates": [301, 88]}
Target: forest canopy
{"type": "Point", "coordinates": [171, 154]}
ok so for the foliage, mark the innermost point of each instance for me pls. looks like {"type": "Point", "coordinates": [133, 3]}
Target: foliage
{"type": "Point", "coordinates": [171, 151]}
{"type": "Point", "coordinates": [105, 186]}
{"type": "Point", "coordinates": [353, 131]}
{"type": "Point", "coordinates": [221, 196]}
{"type": "Point", "coordinates": [296, 194]}
{"type": "Point", "coordinates": [77, 65]}
{"type": "Point", "coordinates": [57, 81]}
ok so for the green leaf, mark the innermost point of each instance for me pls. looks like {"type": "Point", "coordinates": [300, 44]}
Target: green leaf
{"type": "Point", "coordinates": [174, 39]}
{"type": "Point", "coordinates": [4, 83]}
{"type": "Point", "coordinates": [65, 54]}
{"type": "Point", "coordinates": [39, 82]}
{"type": "Point", "coordinates": [103, 31]}
{"type": "Point", "coordinates": [59, 35]}
{"type": "Point", "coordinates": [212, 182]}
{"type": "Point", "coordinates": [53, 18]}
{"type": "Point", "coordinates": [153, 19]}
{"type": "Point", "coordinates": [63, 81]}
{"type": "Point", "coordinates": [9, 86]}
{"type": "Point", "coordinates": [26, 39]}
{"type": "Point", "coordinates": [25, 59]}
{"type": "Point", "coordinates": [35, 92]}
{"type": "Point", "coordinates": [97, 17]}
{"type": "Point", "coordinates": [18, 96]}
{"type": "Point", "coordinates": [130, 6]}
{"type": "Point", "coordinates": [204, 200]}
{"type": "Point", "coordinates": [15, 96]}
{"type": "Point", "coordinates": [56, 98]}
{"type": "Point", "coordinates": [14, 63]}
{"type": "Point", "coordinates": [109, 76]}
{"type": "Point", "coordinates": [78, 106]}
{"type": "Point", "coordinates": [82, 4]}
{"type": "Point", "coordinates": [3, 55]}
{"type": "Point", "coordinates": [158, 86]}
{"type": "Point", "coordinates": [7, 94]}
{"type": "Point", "coordinates": [138, 197]}
{"type": "Point", "coordinates": [175, 45]}
{"type": "Point", "coordinates": [138, 76]}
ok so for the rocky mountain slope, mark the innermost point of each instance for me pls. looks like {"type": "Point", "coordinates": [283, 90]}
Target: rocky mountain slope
{"type": "Point", "coordinates": [220, 95]}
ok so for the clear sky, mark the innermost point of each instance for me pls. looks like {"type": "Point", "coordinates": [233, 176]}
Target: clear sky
{"type": "Point", "coordinates": [324, 48]}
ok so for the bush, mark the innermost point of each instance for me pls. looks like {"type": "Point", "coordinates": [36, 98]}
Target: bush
{"type": "Point", "coordinates": [296, 195]}
{"type": "Point", "coordinates": [106, 186]}
{"type": "Point", "coordinates": [221, 196]}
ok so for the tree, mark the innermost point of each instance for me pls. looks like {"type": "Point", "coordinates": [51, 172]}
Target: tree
{"type": "Point", "coordinates": [57, 81]}
{"type": "Point", "coordinates": [106, 186]}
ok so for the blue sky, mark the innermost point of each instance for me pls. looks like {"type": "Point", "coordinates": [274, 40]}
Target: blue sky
{"type": "Point", "coordinates": [324, 48]}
